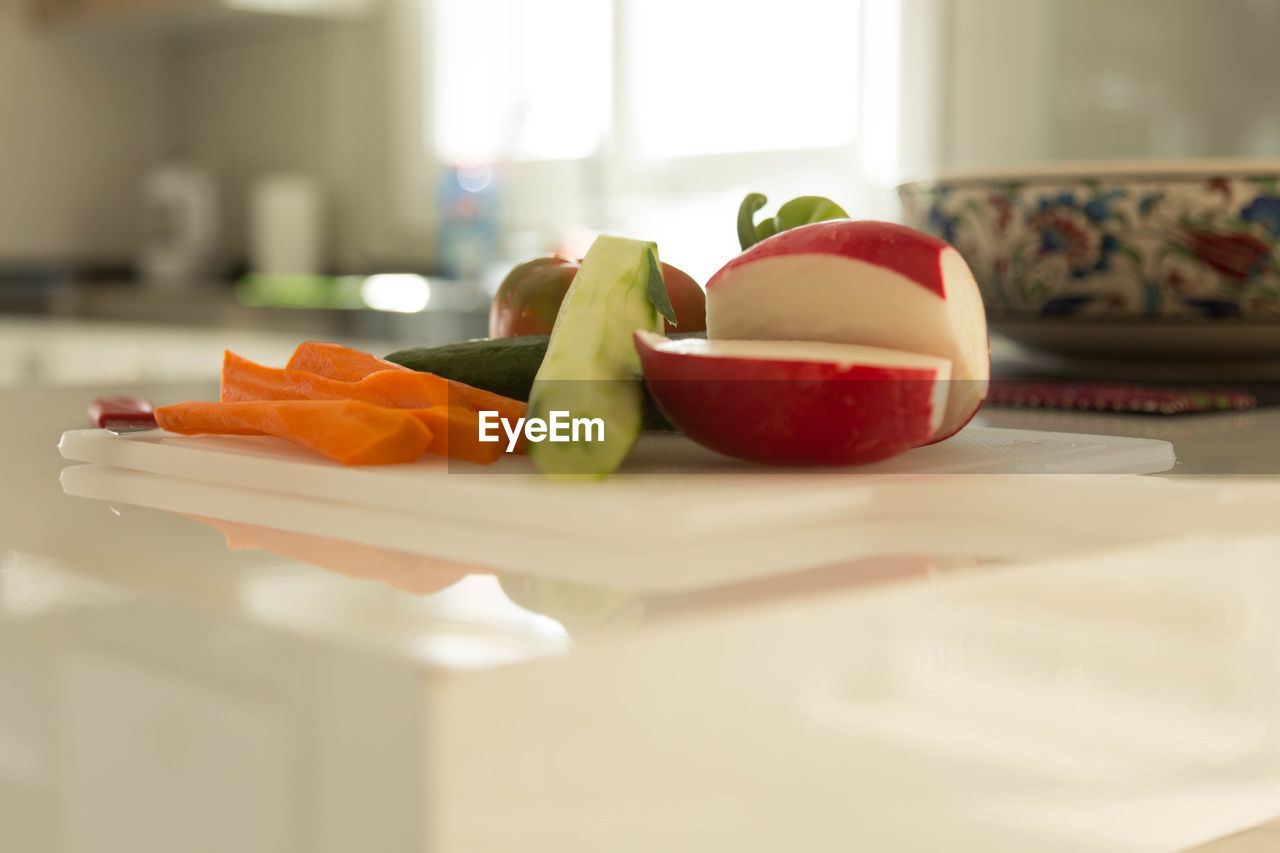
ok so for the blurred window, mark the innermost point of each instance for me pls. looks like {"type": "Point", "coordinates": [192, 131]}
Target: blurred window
{"type": "Point", "coordinates": [731, 77]}
{"type": "Point", "coordinates": [520, 79]}
{"type": "Point", "coordinates": [529, 80]}
{"type": "Point", "coordinates": [655, 116]}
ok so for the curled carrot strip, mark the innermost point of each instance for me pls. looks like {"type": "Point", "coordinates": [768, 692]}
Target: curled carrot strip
{"type": "Point", "coordinates": [347, 431]}
{"type": "Point", "coordinates": [335, 361]}
{"type": "Point", "coordinates": [454, 424]}
{"type": "Point", "coordinates": [338, 362]}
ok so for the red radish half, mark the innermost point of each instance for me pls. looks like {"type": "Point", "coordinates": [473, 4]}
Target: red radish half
{"type": "Point", "coordinates": [796, 402]}
{"type": "Point", "coordinates": [860, 282]}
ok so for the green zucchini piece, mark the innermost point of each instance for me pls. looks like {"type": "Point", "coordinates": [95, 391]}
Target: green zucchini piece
{"type": "Point", "coordinates": [591, 371]}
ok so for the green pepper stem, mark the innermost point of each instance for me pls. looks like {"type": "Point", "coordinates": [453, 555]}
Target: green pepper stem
{"type": "Point", "coordinates": [808, 209]}
{"type": "Point", "coordinates": [746, 216]}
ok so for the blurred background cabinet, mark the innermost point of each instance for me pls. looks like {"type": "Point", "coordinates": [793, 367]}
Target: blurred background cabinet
{"type": "Point", "coordinates": [64, 11]}
{"type": "Point", "coordinates": [161, 15]}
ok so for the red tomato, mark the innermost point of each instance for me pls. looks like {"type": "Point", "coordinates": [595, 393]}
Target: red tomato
{"type": "Point", "coordinates": [529, 299]}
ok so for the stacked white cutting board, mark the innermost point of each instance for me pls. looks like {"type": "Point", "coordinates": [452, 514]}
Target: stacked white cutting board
{"type": "Point", "coordinates": [676, 517]}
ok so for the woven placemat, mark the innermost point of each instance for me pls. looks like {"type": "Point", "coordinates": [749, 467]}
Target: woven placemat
{"type": "Point", "coordinates": [1132, 398]}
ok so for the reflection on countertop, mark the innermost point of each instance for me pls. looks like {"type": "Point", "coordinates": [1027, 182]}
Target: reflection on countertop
{"type": "Point", "coordinates": [148, 671]}
{"type": "Point", "coordinates": [456, 591]}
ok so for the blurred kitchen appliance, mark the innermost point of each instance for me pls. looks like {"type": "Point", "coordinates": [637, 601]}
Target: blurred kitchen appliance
{"type": "Point", "coordinates": [180, 217]}
{"type": "Point", "coordinates": [286, 224]}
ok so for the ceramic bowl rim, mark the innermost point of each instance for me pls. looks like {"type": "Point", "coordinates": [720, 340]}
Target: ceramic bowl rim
{"type": "Point", "coordinates": [1113, 170]}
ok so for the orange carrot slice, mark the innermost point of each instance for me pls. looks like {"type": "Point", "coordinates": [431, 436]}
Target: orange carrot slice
{"type": "Point", "coordinates": [455, 430]}
{"type": "Point", "coordinates": [348, 365]}
{"type": "Point", "coordinates": [347, 431]}
{"type": "Point", "coordinates": [455, 433]}
{"type": "Point", "coordinates": [480, 400]}
{"type": "Point", "coordinates": [338, 362]}
{"type": "Point", "coordinates": [242, 379]}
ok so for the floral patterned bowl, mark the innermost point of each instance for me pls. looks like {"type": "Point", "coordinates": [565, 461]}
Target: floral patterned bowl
{"type": "Point", "coordinates": [1188, 242]}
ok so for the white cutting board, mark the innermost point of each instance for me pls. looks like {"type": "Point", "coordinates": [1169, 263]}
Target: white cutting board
{"type": "Point", "coordinates": [676, 516]}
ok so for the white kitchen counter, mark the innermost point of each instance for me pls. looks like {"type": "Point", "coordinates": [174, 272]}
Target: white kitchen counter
{"type": "Point", "coordinates": [160, 692]}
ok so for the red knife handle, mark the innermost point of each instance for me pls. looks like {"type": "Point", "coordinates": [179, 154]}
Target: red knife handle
{"type": "Point", "coordinates": [106, 410]}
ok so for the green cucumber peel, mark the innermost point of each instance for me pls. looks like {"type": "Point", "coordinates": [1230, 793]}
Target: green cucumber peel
{"type": "Point", "coordinates": [591, 368]}
{"type": "Point", "coordinates": [658, 289]}
{"type": "Point", "coordinates": [803, 210]}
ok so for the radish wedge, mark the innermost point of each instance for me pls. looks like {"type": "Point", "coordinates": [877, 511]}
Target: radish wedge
{"type": "Point", "coordinates": [860, 282]}
{"type": "Point", "coordinates": [796, 402]}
